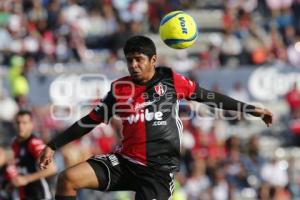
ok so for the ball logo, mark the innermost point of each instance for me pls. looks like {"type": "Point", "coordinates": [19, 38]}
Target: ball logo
{"type": "Point", "coordinates": [182, 24]}
{"type": "Point", "coordinates": [178, 30]}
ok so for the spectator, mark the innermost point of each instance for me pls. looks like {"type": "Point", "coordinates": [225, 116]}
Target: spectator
{"type": "Point", "coordinates": [220, 187]}
{"type": "Point", "coordinates": [235, 169]}
{"type": "Point", "coordinates": [19, 84]}
{"type": "Point", "coordinates": [8, 109]}
{"type": "Point", "coordinates": [279, 4]}
{"type": "Point", "coordinates": [293, 100]}
{"type": "Point", "coordinates": [293, 54]}
{"type": "Point", "coordinates": [198, 184]}
{"type": "Point", "coordinates": [294, 177]}
{"type": "Point", "coordinates": [274, 167]}
{"type": "Point", "coordinates": [254, 161]}
{"type": "Point", "coordinates": [231, 49]}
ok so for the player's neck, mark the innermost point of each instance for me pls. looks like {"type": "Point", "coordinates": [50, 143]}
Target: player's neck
{"type": "Point", "coordinates": [22, 139]}
{"type": "Point", "coordinates": [147, 79]}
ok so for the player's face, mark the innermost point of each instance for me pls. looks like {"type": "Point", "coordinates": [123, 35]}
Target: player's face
{"type": "Point", "coordinates": [141, 67]}
{"type": "Point", "coordinates": [24, 126]}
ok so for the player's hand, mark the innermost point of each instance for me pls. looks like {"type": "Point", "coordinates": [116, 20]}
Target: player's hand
{"type": "Point", "coordinates": [265, 115]}
{"type": "Point", "coordinates": [46, 158]}
{"type": "Point", "coordinates": [19, 181]}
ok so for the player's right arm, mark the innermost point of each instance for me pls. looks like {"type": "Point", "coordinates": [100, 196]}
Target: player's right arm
{"type": "Point", "coordinates": [101, 113]}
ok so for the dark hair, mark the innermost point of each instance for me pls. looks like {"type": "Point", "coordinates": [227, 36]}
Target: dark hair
{"type": "Point", "coordinates": [140, 44]}
{"type": "Point", "coordinates": [24, 112]}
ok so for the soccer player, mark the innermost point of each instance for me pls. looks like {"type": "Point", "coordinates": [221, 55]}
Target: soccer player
{"type": "Point", "coordinates": [7, 172]}
{"type": "Point", "coordinates": [27, 148]}
{"type": "Point", "coordinates": [147, 103]}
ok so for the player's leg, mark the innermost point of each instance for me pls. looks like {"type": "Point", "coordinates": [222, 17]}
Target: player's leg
{"type": "Point", "coordinates": [79, 176]}
{"type": "Point", "coordinates": [158, 186]}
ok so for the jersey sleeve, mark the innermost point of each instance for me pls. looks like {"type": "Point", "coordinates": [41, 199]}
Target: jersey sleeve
{"type": "Point", "coordinates": [190, 90]}
{"type": "Point", "coordinates": [103, 111]}
{"type": "Point", "coordinates": [35, 146]}
{"type": "Point", "coordinates": [218, 100]}
{"type": "Point", "coordinates": [184, 87]}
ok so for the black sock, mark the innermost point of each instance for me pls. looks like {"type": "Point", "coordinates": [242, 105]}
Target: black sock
{"type": "Point", "coordinates": [59, 197]}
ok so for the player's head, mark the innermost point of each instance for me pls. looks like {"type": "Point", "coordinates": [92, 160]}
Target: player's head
{"type": "Point", "coordinates": [24, 124]}
{"type": "Point", "coordinates": [140, 53]}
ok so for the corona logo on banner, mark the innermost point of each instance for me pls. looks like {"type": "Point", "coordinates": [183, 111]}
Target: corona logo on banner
{"type": "Point", "coordinates": [267, 83]}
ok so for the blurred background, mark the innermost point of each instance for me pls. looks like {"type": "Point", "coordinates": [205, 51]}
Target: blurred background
{"type": "Point", "coordinates": [58, 58]}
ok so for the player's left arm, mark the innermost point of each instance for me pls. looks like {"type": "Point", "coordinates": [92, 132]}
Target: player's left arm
{"type": "Point", "coordinates": [190, 90]}
{"type": "Point", "coordinates": [215, 99]}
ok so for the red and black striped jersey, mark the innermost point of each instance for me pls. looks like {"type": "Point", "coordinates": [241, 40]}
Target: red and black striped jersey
{"type": "Point", "coordinates": [149, 113]}
{"type": "Point", "coordinates": [26, 154]}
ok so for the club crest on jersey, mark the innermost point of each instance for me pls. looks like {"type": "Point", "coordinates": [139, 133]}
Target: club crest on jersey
{"type": "Point", "coordinates": [160, 89]}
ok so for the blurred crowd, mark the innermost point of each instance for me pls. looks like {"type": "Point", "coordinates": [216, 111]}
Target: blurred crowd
{"type": "Point", "coordinates": [52, 31]}
{"type": "Point", "coordinates": [259, 32]}
{"type": "Point", "coordinates": [217, 163]}
{"type": "Point", "coordinates": [64, 31]}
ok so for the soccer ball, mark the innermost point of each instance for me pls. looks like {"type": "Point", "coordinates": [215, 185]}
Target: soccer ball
{"type": "Point", "coordinates": [178, 30]}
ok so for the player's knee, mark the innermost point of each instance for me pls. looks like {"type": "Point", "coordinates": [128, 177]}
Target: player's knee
{"type": "Point", "coordinates": [67, 179]}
